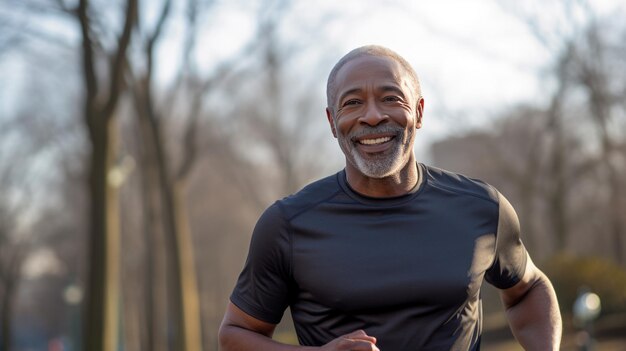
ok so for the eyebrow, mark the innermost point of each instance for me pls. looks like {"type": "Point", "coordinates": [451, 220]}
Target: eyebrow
{"type": "Point", "coordinates": [392, 88]}
{"type": "Point", "coordinates": [348, 92]}
{"type": "Point", "coordinates": [384, 88]}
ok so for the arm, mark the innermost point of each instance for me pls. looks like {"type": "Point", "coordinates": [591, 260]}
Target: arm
{"type": "Point", "coordinates": [533, 311]}
{"type": "Point", "coordinates": [241, 332]}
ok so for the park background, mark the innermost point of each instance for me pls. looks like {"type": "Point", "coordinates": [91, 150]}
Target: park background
{"type": "Point", "coordinates": [141, 140]}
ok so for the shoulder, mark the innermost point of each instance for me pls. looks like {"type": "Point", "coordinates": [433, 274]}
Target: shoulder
{"type": "Point", "coordinates": [460, 184]}
{"type": "Point", "coordinates": [274, 223]}
{"type": "Point", "coordinates": [309, 196]}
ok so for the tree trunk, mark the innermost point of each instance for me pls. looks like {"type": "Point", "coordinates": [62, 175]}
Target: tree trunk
{"type": "Point", "coordinates": [156, 268]}
{"type": "Point", "coordinates": [103, 276]}
{"type": "Point", "coordinates": [184, 289]}
{"type": "Point", "coordinates": [187, 278]}
{"type": "Point", "coordinates": [102, 304]}
{"type": "Point", "coordinates": [179, 242]}
{"type": "Point", "coordinates": [559, 192]}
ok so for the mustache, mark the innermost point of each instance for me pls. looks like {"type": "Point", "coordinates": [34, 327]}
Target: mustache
{"type": "Point", "coordinates": [369, 130]}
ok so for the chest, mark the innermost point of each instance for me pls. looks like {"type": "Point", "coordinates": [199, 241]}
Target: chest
{"type": "Point", "coordinates": [373, 259]}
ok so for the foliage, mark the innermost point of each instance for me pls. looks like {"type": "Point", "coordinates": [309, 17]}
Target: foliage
{"type": "Point", "coordinates": [570, 273]}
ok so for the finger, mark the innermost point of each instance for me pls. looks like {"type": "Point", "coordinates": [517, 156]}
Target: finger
{"type": "Point", "coordinates": [357, 345]}
{"type": "Point", "coordinates": [360, 335]}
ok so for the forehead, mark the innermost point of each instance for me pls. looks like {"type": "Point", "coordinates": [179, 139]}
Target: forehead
{"type": "Point", "coordinates": [376, 70]}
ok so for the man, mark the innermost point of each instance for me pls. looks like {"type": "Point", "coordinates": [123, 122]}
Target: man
{"type": "Point", "coordinates": [388, 254]}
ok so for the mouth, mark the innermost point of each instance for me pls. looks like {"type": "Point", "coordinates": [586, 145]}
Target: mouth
{"type": "Point", "coordinates": [374, 143]}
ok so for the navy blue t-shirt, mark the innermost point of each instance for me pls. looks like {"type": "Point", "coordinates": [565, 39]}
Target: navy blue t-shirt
{"type": "Point", "coordinates": [407, 270]}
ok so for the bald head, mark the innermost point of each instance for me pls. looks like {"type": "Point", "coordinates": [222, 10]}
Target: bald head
{"type": "Point", "coordinates": [369, 50]}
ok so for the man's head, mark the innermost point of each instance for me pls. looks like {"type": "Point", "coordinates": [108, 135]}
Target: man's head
{"type": "Point", "coordinates": [369, 50]}
{"type": "Point", "coordinates": [374, 107]}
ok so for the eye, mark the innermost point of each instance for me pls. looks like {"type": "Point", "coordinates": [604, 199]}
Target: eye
{"type": "Point", "coordinates": [351, 102]}
{"type": "Point", "coordinates": [391, 98]}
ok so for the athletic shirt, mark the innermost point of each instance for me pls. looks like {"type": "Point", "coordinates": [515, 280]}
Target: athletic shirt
{"type": "Point", "coordinates": [407, 269]}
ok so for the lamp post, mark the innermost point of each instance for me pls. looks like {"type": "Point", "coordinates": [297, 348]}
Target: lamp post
{"type": "Point", "coordinates": [586, 309]}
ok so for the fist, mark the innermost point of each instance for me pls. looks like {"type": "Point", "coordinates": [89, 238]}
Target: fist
{"type": "Point", "coordinates": [355, 341]}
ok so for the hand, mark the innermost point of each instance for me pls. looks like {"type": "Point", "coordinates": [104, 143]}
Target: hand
{"type": "Point", "coordinates": [355, 341]}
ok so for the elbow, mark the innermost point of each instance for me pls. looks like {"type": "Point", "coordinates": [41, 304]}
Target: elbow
{"type": "Point", "coordinates": [223, 337]}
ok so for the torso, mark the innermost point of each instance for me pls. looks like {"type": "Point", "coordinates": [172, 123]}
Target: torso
{"type": "Point", "coordinates": [407, 270]}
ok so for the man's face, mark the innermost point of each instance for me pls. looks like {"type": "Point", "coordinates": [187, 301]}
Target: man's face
{"type": "Point", "coordinates": [376, 114]}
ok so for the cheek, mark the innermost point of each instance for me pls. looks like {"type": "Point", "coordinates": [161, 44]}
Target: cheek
{"type": "Point", "coordinates": [344, 124]}
{"type": "Point", "coordinates": [405, 120]}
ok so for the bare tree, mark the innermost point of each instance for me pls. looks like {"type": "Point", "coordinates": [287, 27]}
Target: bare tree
{"type": "Point", "coordinates": [283, 121]}
{"type": "Point", "coordinates": [103, 93]}
{"type": "Point", "coordinates": [584, 61]}
{"type": "Point", "coordinates": [169, 179]}
{"type": "Point", "coordinates": [157, 185]}
{"type": "Point", "coordinates": [591, 69]}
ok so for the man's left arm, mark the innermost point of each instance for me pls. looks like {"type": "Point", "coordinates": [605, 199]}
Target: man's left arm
{"type": "Point", "coordinates": [533, 311]}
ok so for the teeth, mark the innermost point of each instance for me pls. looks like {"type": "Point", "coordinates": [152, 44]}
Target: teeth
{"type": "Point", "coordinates": [375, 141]}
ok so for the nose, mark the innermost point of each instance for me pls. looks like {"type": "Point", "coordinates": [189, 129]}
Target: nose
{"type": "Point", "coordinates": [373, 115]}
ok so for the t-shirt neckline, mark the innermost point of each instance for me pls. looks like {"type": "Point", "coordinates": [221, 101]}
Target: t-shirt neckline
{"type": "Point", "coordinates": [394, 200]}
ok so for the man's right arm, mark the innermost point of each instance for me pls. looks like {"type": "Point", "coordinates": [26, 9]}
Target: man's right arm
{"type": "Point", "coordinates": [241, 332]}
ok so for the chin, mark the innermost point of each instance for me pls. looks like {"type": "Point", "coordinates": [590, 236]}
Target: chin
{"type": "Point", "coordinates": [378, 169]}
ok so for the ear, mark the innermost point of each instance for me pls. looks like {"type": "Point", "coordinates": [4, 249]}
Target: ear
{"type": "Point", "coordinates": [331, 121]}
{"type": "Point", "coordinates": [419, 113]}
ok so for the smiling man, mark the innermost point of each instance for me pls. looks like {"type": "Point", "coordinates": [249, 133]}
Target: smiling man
{"type": "Point", "coordinates": [388, 254]}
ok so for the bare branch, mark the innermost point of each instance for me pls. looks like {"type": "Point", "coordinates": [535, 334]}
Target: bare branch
{"type": "Point", "coordinates": [91, 81]}
{"type": "Point", "coordinates": [223, 70]}
{"type": "Point", "coordinates": [120, 60]}
{"type": "Point", "coordinates": [150, 52]}
{"type": "Point", "coordinates": [165, 11]}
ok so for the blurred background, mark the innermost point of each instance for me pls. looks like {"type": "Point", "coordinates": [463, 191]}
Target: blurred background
{"type": "Point", "coordinates": [141, 140]}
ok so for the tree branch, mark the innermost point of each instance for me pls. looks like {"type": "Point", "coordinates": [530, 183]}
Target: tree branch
{"type": "Point", "coordinates": [120, 60]}
{"type": "Point", "coordinates": [91, 81]}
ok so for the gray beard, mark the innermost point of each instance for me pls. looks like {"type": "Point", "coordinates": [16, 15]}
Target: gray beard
{"type": "Point", "coordinates": [379, 166]}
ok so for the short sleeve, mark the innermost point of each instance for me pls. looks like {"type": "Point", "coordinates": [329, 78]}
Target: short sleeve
{"type": "Point", "coordinates": [510, 257]}
{"type": "Point", "coordinates": [262, 289]}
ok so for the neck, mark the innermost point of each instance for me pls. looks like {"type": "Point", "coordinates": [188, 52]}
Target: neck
{"type": "Point", "coordinates": [397, 184]}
